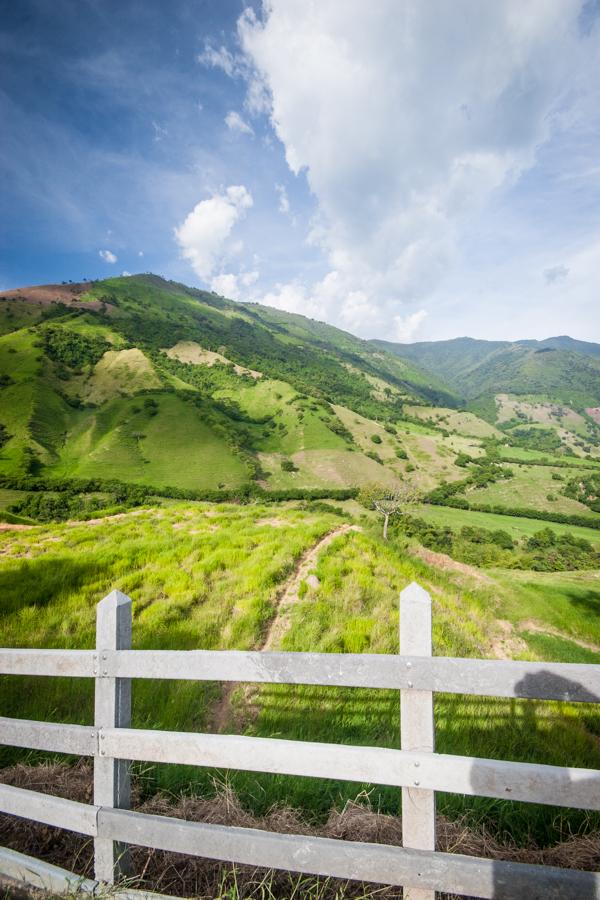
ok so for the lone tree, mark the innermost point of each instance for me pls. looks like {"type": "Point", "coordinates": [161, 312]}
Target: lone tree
{"type": "Point", "coordinates": [389, 502]}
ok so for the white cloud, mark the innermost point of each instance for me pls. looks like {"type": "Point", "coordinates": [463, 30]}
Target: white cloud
{"type": "Point", "coordinates": [203, 235]}
{"type": "Point", "coordinates": [234, 122]}
{"type": "Point", "coordinates": [220, 58]}
{"type": "Point", "coordinates": [140, 252]}
{"type": "Point", "coordinates": [284, 203]}
{"type": "Point", "coordinates": [226, 285]}
{"type": "Point", "coordinates": [235, 287]}
{"type": "Point", "coordinates": [125, 273]}
{"type": "Point", "coordinates": [108, 256]}
{"type": "Point", "coordinates": [407, 124]}
{"type": "Point", "coordinates": [407, 326]}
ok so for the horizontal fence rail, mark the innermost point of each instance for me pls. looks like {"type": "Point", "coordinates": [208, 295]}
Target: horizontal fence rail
{"type": "Point", "coordinates": [310, 855]}
{"type": "Point", "coordinates": [419, 771]}
{"type": "Point", "coordinates": [572, 682]}
{"type": "Point", "coordinates": [473, 776]}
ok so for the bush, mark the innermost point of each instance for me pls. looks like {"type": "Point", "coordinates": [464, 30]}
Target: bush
{"type": "Point", "coordinates": [376, 439]}
{"type": "Point", "coordinates": [288, 466]}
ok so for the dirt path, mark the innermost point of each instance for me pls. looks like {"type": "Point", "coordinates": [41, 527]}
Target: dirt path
{"type": "Point", "coordinates": [530, 625]}
{"type": "Point", "coordinates": [507, 645]}
{"type": "Point", "coordinates": [287, 597]}
{"type": "Point", "coordinates": [442, 561]}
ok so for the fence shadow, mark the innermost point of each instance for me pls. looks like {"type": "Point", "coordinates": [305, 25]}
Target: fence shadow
{"type": "Point", "coordinates": [565, 884]}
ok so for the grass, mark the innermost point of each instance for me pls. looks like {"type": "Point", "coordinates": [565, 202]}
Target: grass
{"type": "Point", "coordinates": [517, 527]}
{"type": "Point", "coordinates": [206, 576]}
{"type": "Point", "coordinates": [532, 487]}
{"type": "Point", "coordinates": [172, 448]}
{"type": "Point", "coordinates": [464, 423]}
{"type": "Point", "coordinates": [567, 601]}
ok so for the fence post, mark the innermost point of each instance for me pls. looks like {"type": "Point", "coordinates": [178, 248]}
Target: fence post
{"type": "Point", "coordinates": [416, 728]}
{"type": "Point", "coordinates": [112, 786]}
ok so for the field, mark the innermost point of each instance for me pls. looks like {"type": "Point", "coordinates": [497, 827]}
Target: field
{"type": "Point", "coordinates": [532, 487]}
{"type": "Point", "coordinates": [227, 576]}
{"type": "Point", "coordinates": [516, 526]}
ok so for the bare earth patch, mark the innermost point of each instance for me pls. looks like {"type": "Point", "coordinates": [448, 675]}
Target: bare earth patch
{"type": "Point", "coordinates": [191, 352]}
{"type": "Point", "coordinates": [441, 561]}
{"type": "Point", "coordinates": [46, 294]}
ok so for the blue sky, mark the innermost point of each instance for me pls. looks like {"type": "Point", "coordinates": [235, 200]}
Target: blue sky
{"type": "Point", "coordinates": [403, 170]}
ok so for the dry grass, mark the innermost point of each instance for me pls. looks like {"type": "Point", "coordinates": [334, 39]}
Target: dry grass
{"type": "Point", "coordinates": [186, 876]}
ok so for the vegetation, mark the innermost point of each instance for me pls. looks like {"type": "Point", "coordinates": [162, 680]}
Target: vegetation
{"type": "Point", "coordinates": [191, 452]}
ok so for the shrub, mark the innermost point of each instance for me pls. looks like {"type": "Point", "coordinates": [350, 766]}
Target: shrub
{"type": "Point", "coordinates": [376, 439]}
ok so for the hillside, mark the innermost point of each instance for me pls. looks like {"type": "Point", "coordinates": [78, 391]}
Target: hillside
{"type": "Point", "coordinates": [147, 381]}
{"type": "Point", "coordinates": [138, 381]}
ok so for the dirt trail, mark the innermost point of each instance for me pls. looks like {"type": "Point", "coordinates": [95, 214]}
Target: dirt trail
{"type": "Point", "coordinates": [289, 596]}
{"type": "Point", "coordinates": [530, 625]}
{"type": "Point", "coordinates": [442, 561]}
{"type": "Point", "coordinates": [286, 598]}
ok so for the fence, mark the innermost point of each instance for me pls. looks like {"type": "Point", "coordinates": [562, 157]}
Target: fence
{"type": "Point", "coordinates": [415, 768]}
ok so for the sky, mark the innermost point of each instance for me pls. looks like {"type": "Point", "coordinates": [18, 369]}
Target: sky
{"type": "Point", "coordinates": [405, 170]}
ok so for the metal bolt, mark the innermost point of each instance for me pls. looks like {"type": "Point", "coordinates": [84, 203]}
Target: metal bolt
{"type": "Point", "coordinates": [508, 790]}
{"type": "Point", "coordinates": [409, 665]}
{"type": "Point", "coordinates": [417, 783]}
{"type": "Point", "coordinates": [417, 764]}
{"type": "Point", "coordinates": [104, 656]}
{"type": "Point", "coordinates": [410, 684]}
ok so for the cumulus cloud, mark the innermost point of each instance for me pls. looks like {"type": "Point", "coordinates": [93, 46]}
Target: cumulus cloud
{"type": "Point", "coordinates": [204, 233]}
{"type": "Point", "coordinates": [126, 274]}
{"type": "Point", "coordinates": [234, 122]}
{"type": "Point", "coordinates": [108, 256]}
{"type": "Point", "coordinates": [406, 124]}
{"type": "Point", "coordinates": [233, 286]}
{"type": "Point", "coordinates": [555, 273]}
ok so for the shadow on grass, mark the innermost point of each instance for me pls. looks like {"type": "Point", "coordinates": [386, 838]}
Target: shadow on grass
{"type": "Point", "coordinates": [39, 582]}
{"type": "Point", "coordinates": [561, 787]}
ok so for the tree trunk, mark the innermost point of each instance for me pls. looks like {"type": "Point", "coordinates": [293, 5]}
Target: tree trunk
{"type": "Point", "coordinates": [385, 526]}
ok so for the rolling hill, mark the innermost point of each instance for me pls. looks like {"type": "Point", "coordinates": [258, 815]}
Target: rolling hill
{"type": "Point", "coordinates": [147, 381]}
{"type": "Point", "coordinates": [121, 389]}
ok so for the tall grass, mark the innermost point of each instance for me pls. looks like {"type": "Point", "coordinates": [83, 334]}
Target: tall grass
{"type": "Point", "coordinates": [210, 576]}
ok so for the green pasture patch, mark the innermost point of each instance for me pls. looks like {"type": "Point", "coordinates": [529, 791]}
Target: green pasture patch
{"type": "Point", "coordinates": [531, 486]}
{"type": "Point", "coordinates": [516, 526]}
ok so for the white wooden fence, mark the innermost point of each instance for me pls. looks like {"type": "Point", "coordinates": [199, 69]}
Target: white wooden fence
{"type": "Point", "coordinates": [416, 768]}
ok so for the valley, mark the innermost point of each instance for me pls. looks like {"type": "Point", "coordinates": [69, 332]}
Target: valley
{"type": "Point", "coordinates": [217, 462]}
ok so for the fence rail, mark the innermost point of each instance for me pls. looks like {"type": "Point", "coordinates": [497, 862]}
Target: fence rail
{"type": "Point", "coordinates": [416, 768]}
{"type": "Point", "coordinates": [575, 682]}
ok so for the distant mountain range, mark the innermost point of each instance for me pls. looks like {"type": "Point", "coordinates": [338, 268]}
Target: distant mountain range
{"type": "Point", "coordinates": [561, 367]}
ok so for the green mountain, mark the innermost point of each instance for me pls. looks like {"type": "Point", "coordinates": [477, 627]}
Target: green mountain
{"type": "Point", "coordinates": [561, 368]}
{"type": "Point", "coordinates": [148, 381]}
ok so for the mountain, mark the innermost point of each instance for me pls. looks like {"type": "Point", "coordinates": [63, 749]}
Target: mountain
{"type": "Point", "coordinates": [559, 368]}
{"type": "Point", "coordinates": [149, 381]}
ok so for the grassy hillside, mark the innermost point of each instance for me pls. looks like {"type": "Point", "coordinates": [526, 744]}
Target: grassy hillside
{"type": "Point", "coordinates": [227, 576]}
{"type": "Point", "coordinates": [149, 382]}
